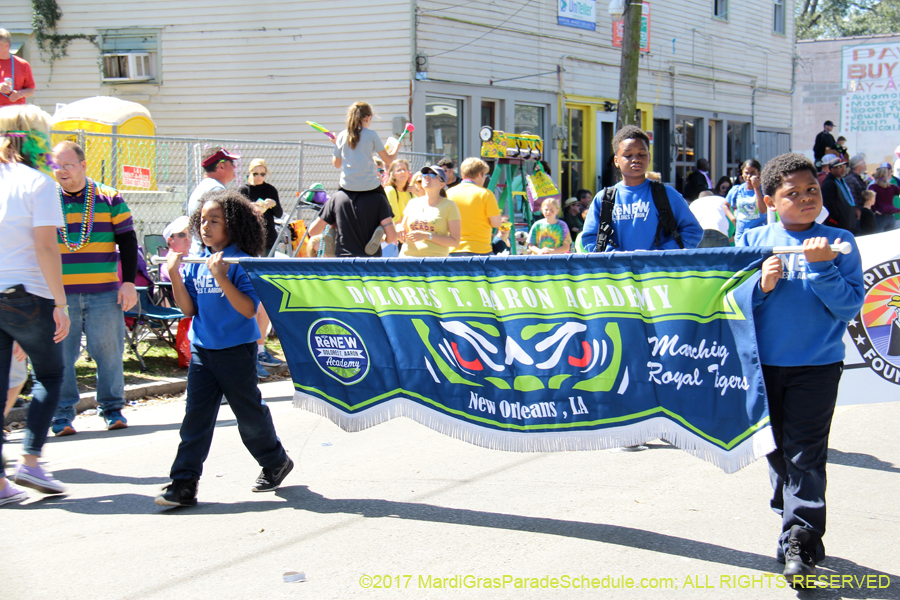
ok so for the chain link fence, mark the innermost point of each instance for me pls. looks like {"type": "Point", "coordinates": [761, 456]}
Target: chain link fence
{"type": "Point", "coordinates": [156, 175]}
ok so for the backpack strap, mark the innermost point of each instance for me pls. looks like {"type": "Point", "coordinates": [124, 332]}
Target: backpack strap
{"type": "Point", "coordinates": [667, 223]}
{"type": "Point", "coordinates": [605, 228]}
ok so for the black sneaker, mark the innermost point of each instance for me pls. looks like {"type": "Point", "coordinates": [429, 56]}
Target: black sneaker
{"type": "Point", "coordinates": [799, 564]}
{"type": "Point", "coordinates": [270, 479]}
{"type": "Point", "coordinates": [181, 492]}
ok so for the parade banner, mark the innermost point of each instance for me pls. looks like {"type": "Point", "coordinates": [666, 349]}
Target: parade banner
{"type": "Point", "coordinates": [872, 342]}
{"type": "Point", "coordinates": [575, 352]}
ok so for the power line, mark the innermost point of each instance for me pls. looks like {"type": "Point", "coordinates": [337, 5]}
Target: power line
{"type": "Point", "coordinates": [491, 30]}
{"type": "Point", "coordinates": [451, 7]}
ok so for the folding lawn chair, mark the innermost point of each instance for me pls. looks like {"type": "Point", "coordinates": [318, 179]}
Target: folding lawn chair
{"type": "Point", "coordinates": [151, 324]}
{"type": "Point", "coordinates": [152, 244]}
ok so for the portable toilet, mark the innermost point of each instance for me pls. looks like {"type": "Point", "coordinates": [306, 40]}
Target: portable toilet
{"type": "Point", "coordinates": [121, 163]}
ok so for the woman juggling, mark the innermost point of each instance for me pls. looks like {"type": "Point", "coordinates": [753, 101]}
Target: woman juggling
{"type": "Point", "coordinates": [359, 211]}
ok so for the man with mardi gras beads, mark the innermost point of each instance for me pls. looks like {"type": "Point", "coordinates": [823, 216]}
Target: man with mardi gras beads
{"type": "Point", "coordinates": [97, 220]}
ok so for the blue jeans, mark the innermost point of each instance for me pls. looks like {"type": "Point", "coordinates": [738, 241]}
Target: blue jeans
{"type": "Point", "coordinates": [231, 371]}
{"type": "Point", "coordinates": [885, 223]}
{"type": "Point", "coordinates": [104, 326]}
{"type": "Point", "coordinates": [801, 405]}
{"type": "Point", "coordinates": [29, 321]}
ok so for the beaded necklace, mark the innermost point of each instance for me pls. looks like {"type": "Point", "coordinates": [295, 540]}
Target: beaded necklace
{"type": "Point", "coordinates": [87, 217]}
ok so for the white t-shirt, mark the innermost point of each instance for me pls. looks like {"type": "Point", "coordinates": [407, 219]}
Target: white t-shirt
{"type": "Point", "coordinates": [28, 199]}
{"type": "Point", "coordinates": [710, 211]}
{"type": "Point", "coordinates": [206, 185]}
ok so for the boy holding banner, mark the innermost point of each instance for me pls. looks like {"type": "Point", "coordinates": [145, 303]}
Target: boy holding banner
{"type": "Point", "coordinates": [802, 306]}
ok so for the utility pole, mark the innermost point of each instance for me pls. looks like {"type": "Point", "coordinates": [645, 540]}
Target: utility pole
{"type": "Point", "coordinates": [628, 71]}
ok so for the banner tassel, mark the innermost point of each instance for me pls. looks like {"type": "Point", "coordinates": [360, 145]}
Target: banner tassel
{"type": "Point", "coordinates": [752, 448]}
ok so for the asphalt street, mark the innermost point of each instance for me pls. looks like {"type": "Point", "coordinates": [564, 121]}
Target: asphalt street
{"type": "Point", "coordinates": [400, 511]}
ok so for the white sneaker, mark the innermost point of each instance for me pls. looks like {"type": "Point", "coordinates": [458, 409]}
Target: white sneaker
{"type": "Point", "coordinates": [10, 494]}
{"type": "Point", "coordinates": [36, 479]}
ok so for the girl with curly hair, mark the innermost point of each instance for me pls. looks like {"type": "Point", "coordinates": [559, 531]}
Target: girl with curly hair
{"type": "Point", "coordinates": [223, 305]}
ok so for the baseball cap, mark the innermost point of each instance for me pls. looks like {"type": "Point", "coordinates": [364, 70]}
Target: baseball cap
{"type": "Point", "coordinates": [829, 124]}
{"type": "Point", "coordinates": [179, 224]}
{"type": "Point", "coordinates": [570, 202]}
{"type": "Point", "coordinates": [833, 160]}
{"type": "Point", "coordinates": [439, 171]}
{"type": "Point", "coordinates": [222, 154]}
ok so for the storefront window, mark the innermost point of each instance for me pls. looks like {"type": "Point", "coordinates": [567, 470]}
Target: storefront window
{"type": "Point", "coordinates": [737, 134]}
{"type": "Point", "coordinates": [444, 126]}
{"type": "Point", "coordinates": [530, 119]}
{"type": "Point", "coordinates": [488, 113]}
{"type": "Point", "coordinates": [687, 148]}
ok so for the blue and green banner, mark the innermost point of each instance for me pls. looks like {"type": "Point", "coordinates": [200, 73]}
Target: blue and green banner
{"type": "Point", "coordinates": [531, 354]}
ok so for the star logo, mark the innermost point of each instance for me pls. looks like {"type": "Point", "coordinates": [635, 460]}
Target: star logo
{"type": "Point", "coordinates": [877, 326]}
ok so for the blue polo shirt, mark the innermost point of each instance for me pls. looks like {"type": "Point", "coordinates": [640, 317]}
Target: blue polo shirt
{"type": "Point", "coordinates": [217, 325]}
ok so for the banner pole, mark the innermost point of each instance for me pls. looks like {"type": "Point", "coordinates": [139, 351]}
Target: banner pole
{"type": "Point", "coordinates": [842, 248]}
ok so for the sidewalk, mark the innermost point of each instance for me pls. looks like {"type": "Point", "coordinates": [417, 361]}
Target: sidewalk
{"type": "Point", "coordinates": [172, 385]}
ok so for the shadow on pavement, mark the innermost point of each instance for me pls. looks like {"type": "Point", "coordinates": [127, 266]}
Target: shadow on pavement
{"type": "Point", "coordinates": [85, 476]}
{"type": "Point", "coordinates": [131, 431]}
{"type": "Point", "coordinates": [863, 461]}
{"type": "Point", "coordinates": [302, 498]}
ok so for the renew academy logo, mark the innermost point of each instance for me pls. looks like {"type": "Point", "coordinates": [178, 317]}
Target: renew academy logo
{"type": "Point", "coordinates": [338, 350]}
{"type": "Point", "coordinates": [876, 329]}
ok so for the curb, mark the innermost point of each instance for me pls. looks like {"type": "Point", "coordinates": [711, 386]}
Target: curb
{"type": "Point", "coordinates": [88, 400]}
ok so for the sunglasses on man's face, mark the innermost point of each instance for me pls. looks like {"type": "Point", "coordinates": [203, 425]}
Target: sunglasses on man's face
{"type": "Point", "coordinates": [180, 234]}
{"type": "Point", "coordinates": [258, 174]}
{"type": "Point", "coordinates": [430, 175]}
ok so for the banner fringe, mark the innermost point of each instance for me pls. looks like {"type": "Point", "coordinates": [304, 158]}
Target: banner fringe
{"type": "Point", "coordinates": [754, 447]}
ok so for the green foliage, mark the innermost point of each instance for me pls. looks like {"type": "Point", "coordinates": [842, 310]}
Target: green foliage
{"type": "Point", "coordinates": [44, 17]}
{"type": "Point", "coordinates": [823, 19]}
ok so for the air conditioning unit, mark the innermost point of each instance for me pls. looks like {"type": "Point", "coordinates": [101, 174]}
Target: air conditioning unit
{"type": "Point", "coordinates": [132, 66]}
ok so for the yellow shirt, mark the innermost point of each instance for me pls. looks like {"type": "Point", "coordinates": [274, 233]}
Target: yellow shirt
{"type": "Point", "coordinates": [476, 206]}
{"type": "Point", "coordinates": [421, 216]}
{"type": "Point", "coordinates": [398, 201]}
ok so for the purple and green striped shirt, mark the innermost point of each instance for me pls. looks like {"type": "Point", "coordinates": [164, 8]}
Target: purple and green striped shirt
{"type": "Point", "coordinates": [94, 268]}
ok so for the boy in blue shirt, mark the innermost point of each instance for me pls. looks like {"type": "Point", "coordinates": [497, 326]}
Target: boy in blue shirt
{"type": "Point", "coordinates": [802, 306]}
{"type": "Point", "coordinates": [635, 219]}
{"type": "Point", "coordinates": [223, 304]}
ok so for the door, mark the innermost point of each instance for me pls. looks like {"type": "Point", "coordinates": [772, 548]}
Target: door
{"type": "Point", "coordinates": [607, 174]}
{"type": "Point", "coordinates": [662, 153]}
{"type": "Point", "coordinates": [687, 147]}
{"type": "Point", "coordinates": [571, 178]}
